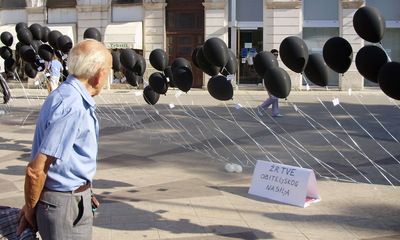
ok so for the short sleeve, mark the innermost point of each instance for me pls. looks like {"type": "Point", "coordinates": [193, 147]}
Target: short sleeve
{"type": "Point", "coordinates": [60, 132]}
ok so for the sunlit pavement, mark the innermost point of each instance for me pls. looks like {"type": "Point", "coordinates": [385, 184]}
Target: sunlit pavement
{"type": "Point", "coordinates": [161, 168]}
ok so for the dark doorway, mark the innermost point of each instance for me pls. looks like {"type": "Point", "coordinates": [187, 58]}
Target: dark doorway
{"type": "Point", "coordinates": [185, 31]}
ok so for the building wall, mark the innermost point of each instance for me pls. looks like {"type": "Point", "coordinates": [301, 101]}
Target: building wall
{"type": "Point", "coordinates": [280, 18]}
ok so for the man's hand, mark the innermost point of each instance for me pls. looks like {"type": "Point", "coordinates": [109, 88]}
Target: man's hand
{"type": "Point", "coordinates": [26, 219]}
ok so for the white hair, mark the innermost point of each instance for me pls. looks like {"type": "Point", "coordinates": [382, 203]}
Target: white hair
{"type": "Point", "coordinates": [86, 62]}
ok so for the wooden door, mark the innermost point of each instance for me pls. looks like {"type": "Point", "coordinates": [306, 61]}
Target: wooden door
{"type": "Point", "coordinates": [185, 31]}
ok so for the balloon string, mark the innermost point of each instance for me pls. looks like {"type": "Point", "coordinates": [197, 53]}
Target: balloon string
{"type": "Point", "coordinates": [299, 111]}
{"type": "Point", "coordinates": [387, 55]}
{"type": "Point", "coordinates": [194, 116]}
{"type": "Point", "coordinates": [372, 115]}
{"type": "Point", "coordinates": [372, 137]}
{"type": "Point", "coordinates": [305, 80]}
{"type": "Point", "coordinates": [23, 88]}
{"type": "Point", "coordinates": [303, 149]}
{"type": "Point", "coordinates": [379, 168]}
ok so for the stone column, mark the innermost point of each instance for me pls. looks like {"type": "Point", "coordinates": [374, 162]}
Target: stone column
{"type": "Point", "coordinates": [281, 19]}
{"type": "Point", "coordinates": [351, 79]}
{"type": "Point", "coordinates": [36, 15]}
{"type": "Point", "coordinates": [215, 23]}
{"type": "Point", "coordinates": [92, 15]}
{"type": "Point", "coordinates": [154, 27]}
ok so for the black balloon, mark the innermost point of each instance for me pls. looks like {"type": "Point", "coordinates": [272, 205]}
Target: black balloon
{"type": "Point", "coordinates": [183, 78]}
{"type": "Point", "coordinates": [27, 53]}
{"type": "Point", "coordinates": [194, 56]}
{"type": "Point", "coordinates": [59, 54]}
{"type": "Point", "coordinates": [30, 71]}
{"type": "Point", "coordinates": [338, 54]}
{"type": "Point", "coordinates": [7, 38]}
{"type": "Point", "coordinates": [389, 79]}
{"type": "Point", "coordinates": [231, 66]}
{"type": "Point", "coordinates": [150, 96]}
{"type": "Point", "coordinates": [180, 62]}
{"type": "Point", "coordinates": [369, 60]}
{"type": "Point", "coordinates": [5, 52]}
{"type": "Point", "coordinates": [220, 88]}
{"type": "Point", "coordinates": [9, 65]}
{"type": "Point", "coordinates": [92, 33]}
{"type": "Point", "coordinates": [140, 66]}
{"type": "Point", "coordinates": [128, 59]}
{"type": "Point", "coordinates": [36, 30]}
{"type": "Point", "coordinates": [132, 78]}
{"type": "Point", "coordinates": [168, 74]}
{"type": "Point", "coordinates": [369, 24]}
{"type": "Point", "coordinates": [38, 65]}
{"type": "Point", "coordinates": [36, 44]}
{"type": "Point", "coordinates": [52, 38]}
{"type": "Point", "coordinates": [21, 25]}
{"type": "Point", "coordinates": [294, 53]}
{"type": "Point", "coordinates": [277, 82]}
{"type": "Point", "coordinates": [263, 61]}
{"type": "Point", "coordinates": [46, 52]}
{"type": "Point", "coordinates": [45, 34]}
{"type": "Point", "coordinates": [317, 70]}
{"type": "Point", "coordinates": [158, 59]}
{"type": "Point", "coordinates": [24, 35]}
{"type": "Point", "coordinates": [64, 43]}
{"type": "Point", "coordinates": [216, 51]}
{"type": "Point", "coordinates": [116, 64]}
{"type": "Point", "coordinates": [158, 83]}
{"type": "Point", "coordinates": [206, 66]}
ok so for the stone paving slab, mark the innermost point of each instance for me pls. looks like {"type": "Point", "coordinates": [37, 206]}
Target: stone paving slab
{"type": "Point", "coordinates": [154, 184]}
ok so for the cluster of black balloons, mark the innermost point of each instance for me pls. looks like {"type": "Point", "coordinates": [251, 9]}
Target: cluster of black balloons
{"type": "Point", "coordinates": [372, 61]}
{"type": "Point", "coordinates": [6, 52]}
{"type": "Point", "coordinates": [276, 79]}
{"type": "Point", "coordinates": [131, 64]}
{"type": "Point", "coordinates": [178, 74]}
{"type": "Point", "coordinates": [215, 59]}
{"type": "Point", "coordinates": [37, 45]}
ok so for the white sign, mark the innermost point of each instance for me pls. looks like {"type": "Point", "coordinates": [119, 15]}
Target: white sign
{"type": "Point", "coordinates": [284, 183]}
{"type": "Point", "coordinates": [248, 45]}
{"type": "Point", "coordinates": [335, 102]}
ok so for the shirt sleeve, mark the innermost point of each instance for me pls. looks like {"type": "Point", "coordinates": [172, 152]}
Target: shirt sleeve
{"type": "Point", "coordinates": [61, 132]}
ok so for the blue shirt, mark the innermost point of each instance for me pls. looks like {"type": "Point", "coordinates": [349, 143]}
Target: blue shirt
{"type": "Point", "coordinates": [55, 68]}
{"type": "Point", "coordinates": [67, 129]}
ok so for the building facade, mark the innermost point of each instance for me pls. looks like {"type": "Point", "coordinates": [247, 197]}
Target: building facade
{"type": "Point", "coordinates": [178, 26]}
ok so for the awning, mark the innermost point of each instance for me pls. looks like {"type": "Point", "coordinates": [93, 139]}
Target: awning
{"type": "Point", "coordinates": [65, 29]}
{"type": "Point", "coordinates": [124, 35]}
{"type": "Point", "coordinates": [11, 29]}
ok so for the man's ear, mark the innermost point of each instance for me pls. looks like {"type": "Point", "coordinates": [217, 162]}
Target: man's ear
{"type": "Point", "coordinates": [96, 78]}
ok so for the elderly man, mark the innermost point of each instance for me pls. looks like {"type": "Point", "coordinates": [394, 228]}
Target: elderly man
{"type": "Point", "coordinates": [64, 150]}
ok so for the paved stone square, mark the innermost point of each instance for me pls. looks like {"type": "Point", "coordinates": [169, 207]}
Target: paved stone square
{"type": "Point", "coordinates": [161, 168]}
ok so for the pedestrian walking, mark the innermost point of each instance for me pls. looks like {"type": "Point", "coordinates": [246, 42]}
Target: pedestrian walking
{"type": "Point", "coordinates": [271, 100]}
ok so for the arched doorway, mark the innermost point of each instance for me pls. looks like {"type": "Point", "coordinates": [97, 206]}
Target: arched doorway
{"type": "Point", "coordinates": [185, 31]}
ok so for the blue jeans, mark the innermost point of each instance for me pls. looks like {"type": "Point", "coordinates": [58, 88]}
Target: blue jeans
{"type": "Point", "coordinates": [65, 215]}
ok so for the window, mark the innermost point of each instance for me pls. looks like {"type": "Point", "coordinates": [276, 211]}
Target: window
{"type": "Point", "coordinates": [317, 10]}
{"type": "Point", "coordinates": [315, 39]}
{"type": "Point", "coordinates": [12, 4]}
{"type": "Point", "coordinates": [389, 9]}
{"type": "Point", "coordinates": [60, 3]}
{"type": "Point", "coordinates": [320, 25]}
{"type": "Point", "coordinates": [126, 1]}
